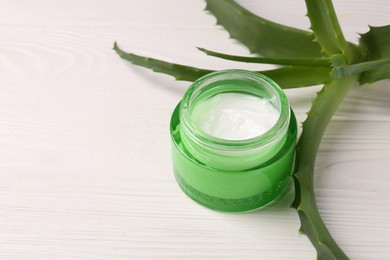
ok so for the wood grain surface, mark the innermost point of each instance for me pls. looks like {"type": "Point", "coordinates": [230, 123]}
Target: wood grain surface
{"type": "Point", "coordinates": [85, 165]}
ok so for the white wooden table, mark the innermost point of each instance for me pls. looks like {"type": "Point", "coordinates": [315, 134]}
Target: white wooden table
{"type": "Point", "coordinates": [85, 166]}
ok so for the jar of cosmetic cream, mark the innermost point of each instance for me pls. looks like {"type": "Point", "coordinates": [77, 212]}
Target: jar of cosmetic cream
{"type": "Point", "coordinates": [233, 138]}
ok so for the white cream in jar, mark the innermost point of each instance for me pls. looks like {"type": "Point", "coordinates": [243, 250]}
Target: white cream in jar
{"type": "Point", "coordinates": [235, 116]}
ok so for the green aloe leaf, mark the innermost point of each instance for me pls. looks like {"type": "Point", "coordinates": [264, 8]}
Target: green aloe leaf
{"type": "Point", "coordinates": [299, 76]}
{"type": "Point", "coordinates": [263, 36]}
{"type": "Point", "coordinates": [376, 45]}
{"type": "Point", "coordinates": [320, 114]}
{"type": "Point", "coordinates": [180, 72]}
{"type": "Point", "coordinates": [322, 62]}
{"type": "Point", "coordinates": [326, 28]}
{"type": "Point", "coordinates": [286, 77]}
{"type": "Point", "coordinates": [370, 66]}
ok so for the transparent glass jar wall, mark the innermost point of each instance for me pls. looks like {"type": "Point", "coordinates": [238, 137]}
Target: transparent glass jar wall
{"type": "Point", "coordinates": [233, 175]}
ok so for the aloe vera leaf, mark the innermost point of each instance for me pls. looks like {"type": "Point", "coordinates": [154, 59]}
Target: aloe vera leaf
{"type": "Point", "coordinates": [286, 77]}
{"type": "Point", "coordinates": [376, 44]}
{"type": "Point", "coordinates": [320, 114]}
{"type": "Point", "coordinates": [180, 72]}
{"type": "Point", "coordinates": [346, 70]}
{"type": "Point", "coordinates": [299, 76]}
{"type": "Point", "coordinates": [326, 28]}
{"type": "Point", "coordinates": [263, 36]}
{"type": "Point", "coordinates": [323, 62]}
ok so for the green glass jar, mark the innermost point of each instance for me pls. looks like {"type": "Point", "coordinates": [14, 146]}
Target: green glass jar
{"type": "Point", "coordinates": [233, 175]}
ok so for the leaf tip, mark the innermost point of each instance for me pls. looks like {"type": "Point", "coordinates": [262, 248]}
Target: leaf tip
{"type": "Point", "coordinates": [201, 49]}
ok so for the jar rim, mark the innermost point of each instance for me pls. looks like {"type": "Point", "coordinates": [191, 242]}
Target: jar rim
{"type": "Point", "coordinates": [208, 140]}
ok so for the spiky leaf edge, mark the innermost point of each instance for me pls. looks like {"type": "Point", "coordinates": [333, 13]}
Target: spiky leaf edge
{"type": "Point", "coordinates": [326, 29]}
{"type": "Point", "coordinates": [263, 36]}
{"type": "Point", "coordinates": [375, 45]}
{"type": "Point", "coordinates": [286, 77]}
